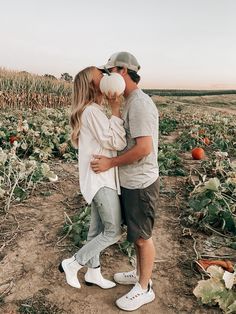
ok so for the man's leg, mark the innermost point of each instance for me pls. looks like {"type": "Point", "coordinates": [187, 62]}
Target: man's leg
{"type": "Point", "coordinates": [145, 259]}
{"type": "Point", "coordinates": [137, 260]}
{"type": "Point", "coordinates": [142, 292]}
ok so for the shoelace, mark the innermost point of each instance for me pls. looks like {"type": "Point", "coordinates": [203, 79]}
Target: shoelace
{"type": "Point", "coordinates": [129, 276]}
{"type": "Point", "coordinates": [138, 293]}
{"type": "Point", "coordinates": [134, 293]}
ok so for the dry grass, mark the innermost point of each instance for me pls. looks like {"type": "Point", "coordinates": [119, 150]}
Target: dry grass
{"type": "Point", "coordinates": [25, 90]}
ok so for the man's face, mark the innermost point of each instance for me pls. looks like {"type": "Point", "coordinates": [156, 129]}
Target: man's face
{"type": "Point", "coordinates": [122, 71]}
{"type": "Point", "coordinates": [113, 70]}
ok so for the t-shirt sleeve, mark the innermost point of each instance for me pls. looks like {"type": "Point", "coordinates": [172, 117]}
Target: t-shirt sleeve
{"type": "Point", "coordinates": [140, 119]}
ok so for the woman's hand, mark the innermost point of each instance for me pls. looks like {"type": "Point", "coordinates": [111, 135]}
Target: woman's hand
{"type": "Point", "coordinates": [115, 102]}
{"type": "Point", "coordinates": [101, 163]}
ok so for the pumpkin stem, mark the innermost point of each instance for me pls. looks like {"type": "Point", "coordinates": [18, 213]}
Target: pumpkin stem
{"type": "Point", "coordinates": [107, 71]}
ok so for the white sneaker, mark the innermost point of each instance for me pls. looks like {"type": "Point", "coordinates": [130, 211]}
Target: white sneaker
{"type": "Point", "coordinates": [126, 278]}
{"type": "Point", "coordinates": [71, 267]}
{"type": "Point", "coordinates": [135, 298]}
{"type": "Point", "coordinates": [94, 276]}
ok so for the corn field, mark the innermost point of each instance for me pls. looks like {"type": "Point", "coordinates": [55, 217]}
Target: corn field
{"type": "Point", "coordinates": [19, 90]}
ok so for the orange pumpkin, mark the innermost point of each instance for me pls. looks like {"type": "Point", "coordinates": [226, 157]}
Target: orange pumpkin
{"type": "Point", "coordinates": [198, 153]}
{"type": "Point", "coordinates": [206, 140]}
{"type": "Point", "coordinates": [226, 264]}
{"type": "Point", "coordinates": [13, 138]}
{"type": "Point", "coordinates": [201, 131]}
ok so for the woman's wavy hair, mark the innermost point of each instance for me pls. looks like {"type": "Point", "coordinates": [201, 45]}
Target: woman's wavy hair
{"type": "Point", "coordinates": [84, 93]}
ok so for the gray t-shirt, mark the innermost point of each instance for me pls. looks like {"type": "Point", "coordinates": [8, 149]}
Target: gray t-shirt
{"type": "Point", "coordinates": [140, 117]}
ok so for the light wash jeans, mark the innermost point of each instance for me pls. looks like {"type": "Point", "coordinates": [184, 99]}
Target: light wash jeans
{"type": "Point", "coordinates": [104, 227]}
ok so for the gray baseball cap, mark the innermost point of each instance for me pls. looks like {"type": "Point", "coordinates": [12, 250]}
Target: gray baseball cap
{"type": "Point", "coordinates": [122, 59]}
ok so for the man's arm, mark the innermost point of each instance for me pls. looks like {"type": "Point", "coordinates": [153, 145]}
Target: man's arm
{"type": "Point", "coordinates": [141, 149]}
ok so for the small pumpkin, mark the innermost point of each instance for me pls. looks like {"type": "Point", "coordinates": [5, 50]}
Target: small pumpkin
{"type": "Point", "coordinates": [112, 84]}
{"type": "Point", "coordinates": [198, 153]}
{"type": "Point", "coordinates": [201, 131]}
{"type": "Point", "coordinates": [13, 138]}
{"type": "Point", "coordinates": [225, 264]}
{"type": "Point", "coordinates": [206, 140]}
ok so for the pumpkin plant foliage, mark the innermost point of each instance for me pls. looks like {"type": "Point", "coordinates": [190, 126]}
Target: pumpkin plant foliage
{"type": "Point", "coordinates": [217, 291]}
{"type": "Point", "coordinates": [215, 197]}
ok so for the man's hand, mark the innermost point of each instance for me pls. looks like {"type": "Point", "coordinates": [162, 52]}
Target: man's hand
{"type": "Point", "coordinates": [101, 163]}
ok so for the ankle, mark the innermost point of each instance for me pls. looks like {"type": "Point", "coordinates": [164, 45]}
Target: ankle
{"type": "Point", "coordinates": [144, 285]}
{"type": "Point", "coordinates": [96, 267]}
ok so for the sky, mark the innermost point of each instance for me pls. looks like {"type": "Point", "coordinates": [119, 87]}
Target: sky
{"type": "Point", "coordinates": [189, 44]}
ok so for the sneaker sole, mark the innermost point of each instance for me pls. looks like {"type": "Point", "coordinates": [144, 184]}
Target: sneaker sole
{"type": "Point", "coordinates": [135, 308]}
{"type": "Point", "coordinates": [125, 282]}
{"type": "Point", "coordinates": [96, 284]}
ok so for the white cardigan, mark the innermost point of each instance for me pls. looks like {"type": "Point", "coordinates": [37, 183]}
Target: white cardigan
{"type": "Point", "coordinates": [98, 136]}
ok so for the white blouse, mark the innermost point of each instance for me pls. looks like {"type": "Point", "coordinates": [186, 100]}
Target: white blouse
{"type": "Point", "coordinates": [98, 136]}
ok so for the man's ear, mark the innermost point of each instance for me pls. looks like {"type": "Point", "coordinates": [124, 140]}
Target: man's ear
{"type": "Point", "coordinates": [123, 71]}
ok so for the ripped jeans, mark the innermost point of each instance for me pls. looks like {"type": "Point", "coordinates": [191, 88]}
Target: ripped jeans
{"type": "Point", "coordinates": [104, 227]}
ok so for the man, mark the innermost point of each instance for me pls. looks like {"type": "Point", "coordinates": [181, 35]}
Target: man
{"type": "Point", "coordinates": [138, 172]}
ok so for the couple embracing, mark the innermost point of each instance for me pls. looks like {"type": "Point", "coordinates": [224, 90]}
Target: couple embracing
{"type": "Point", "coordinates": [119, 176]}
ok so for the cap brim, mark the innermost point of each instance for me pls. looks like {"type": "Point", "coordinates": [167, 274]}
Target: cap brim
{"type": "Point", "coordinates": [105, 66]}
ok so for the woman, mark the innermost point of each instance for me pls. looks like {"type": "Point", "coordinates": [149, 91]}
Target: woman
{"type": "Point", "coordinates": [93, 133]}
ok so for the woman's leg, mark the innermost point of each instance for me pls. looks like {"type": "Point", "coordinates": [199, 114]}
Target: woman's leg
{"type": "Point", "coordinates": [108, 207]}
{"type": "Point", "coordinates": [95, 228]}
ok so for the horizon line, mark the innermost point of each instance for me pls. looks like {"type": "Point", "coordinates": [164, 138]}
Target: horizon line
{"type": "Point", "coordinates": [213, 87]}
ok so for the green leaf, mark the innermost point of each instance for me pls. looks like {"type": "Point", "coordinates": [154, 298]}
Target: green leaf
{"type": "Point", "coordinates": [213, 290]}
{"type": "Point", "coordinates": [232, 308]}
{"type": "Point", "coordinates": [20, 193]}
{"type": "Point", "coordinates": [77, 228]}
{"type": "Point", "coordinates": [209, 290]}
{"type": "Point", "coordinates": [225, 299]}
{"type": "Point", "coordinates": [229, 223]}
{"type": "Point", "coordinates": [205, 202]}
{"type": "Point", "coordinates": [77, 240]}
{"type": "Point", "coordinates": [195, 204]}
{"type": "Point", "coordinates": [37, 176]}
{"type": "Point", "coordinates": [232, 245]}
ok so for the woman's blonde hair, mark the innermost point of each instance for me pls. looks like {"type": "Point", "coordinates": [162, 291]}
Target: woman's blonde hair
{"type": "Point", "coordinates": [84, 93]}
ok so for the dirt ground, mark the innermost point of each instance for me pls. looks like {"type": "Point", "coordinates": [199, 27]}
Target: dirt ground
{"type": "Point", "coordinates": [29, 274]}
{"type": "Point", "coordinates": [30, 254]}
